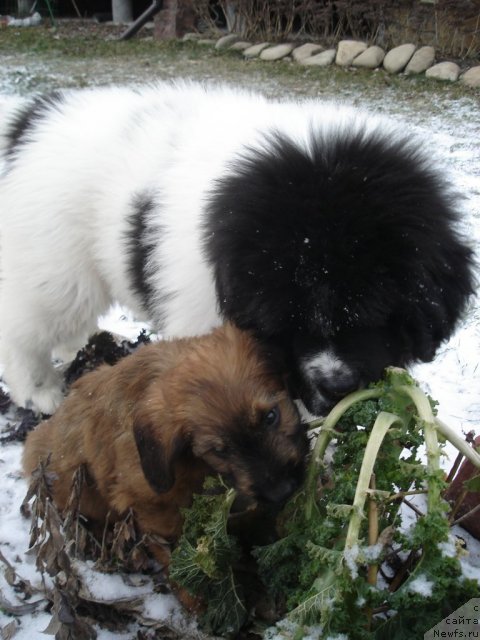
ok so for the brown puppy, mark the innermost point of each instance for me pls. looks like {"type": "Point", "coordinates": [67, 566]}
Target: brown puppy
{"type": "Point", "coordinates": [152, 427]}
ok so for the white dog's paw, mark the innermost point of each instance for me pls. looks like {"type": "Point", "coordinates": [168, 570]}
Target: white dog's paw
{"type": "Point", "coordinates": [47, 399]}
{"type": "Point", "coordinates": [43, 396]}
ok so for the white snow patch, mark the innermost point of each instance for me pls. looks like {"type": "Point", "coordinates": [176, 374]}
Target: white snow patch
{"type": "Point", "coordinates": [164, 607]}
{"type": "Point", "coordinates": [421, 585]}
{"type": "Point", "coordinates": [448, 549]}
{"type": "Point", "coordinates": [350, 556]}
{"type": "Point", "coordinates": [105, 587]}
{"type": "Point", "coordinates": [122, 322]}
{"type": "Point", "coordinates": [372, 552]}
{"type": "Point", "coordinates": [282, 630]}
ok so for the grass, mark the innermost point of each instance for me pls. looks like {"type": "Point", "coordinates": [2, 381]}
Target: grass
{"type": "Point", "coordinates": [94, 54]}
{"type": "Point", "coordinates": [83, 43]}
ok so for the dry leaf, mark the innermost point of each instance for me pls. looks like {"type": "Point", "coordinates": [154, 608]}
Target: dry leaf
{"type": "Point", "coordinates": [9, 630]}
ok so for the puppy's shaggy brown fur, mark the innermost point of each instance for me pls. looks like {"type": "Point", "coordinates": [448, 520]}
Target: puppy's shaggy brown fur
{"type": "Point", "coordinates": [152, 427]}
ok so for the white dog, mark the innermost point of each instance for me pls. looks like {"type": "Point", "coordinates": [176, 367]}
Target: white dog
{"type": "Point", "coordinates": [306, 223]}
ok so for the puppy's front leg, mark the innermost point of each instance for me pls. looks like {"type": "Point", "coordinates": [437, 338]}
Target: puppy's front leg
{"type": "Point", "coordinates": [164, 526]}
{"type": "Point", "coordinates": [30, 376]}
{"type": "Point", "coordinates": [162, 554]}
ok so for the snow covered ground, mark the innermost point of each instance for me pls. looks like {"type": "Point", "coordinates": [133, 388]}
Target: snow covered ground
{"type": "Point", "coordinates": [453, 128]}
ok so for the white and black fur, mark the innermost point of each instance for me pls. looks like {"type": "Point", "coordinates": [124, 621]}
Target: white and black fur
{"type": "Point", "coordinates": [325, 231]}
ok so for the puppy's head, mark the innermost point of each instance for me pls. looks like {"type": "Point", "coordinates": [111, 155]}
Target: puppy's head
{"type": "Point", "coordinates": [344, 250]}
{"type": "Point", "coordinates": [225, 403]}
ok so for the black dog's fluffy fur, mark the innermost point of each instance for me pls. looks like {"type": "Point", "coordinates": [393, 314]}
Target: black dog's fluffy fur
{"type": "Point", "coordinates": [351, 247]}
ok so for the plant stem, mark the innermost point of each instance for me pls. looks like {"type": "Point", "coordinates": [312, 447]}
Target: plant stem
{"type": "Point", "coordinates": [339, 409]}
{"type": "Point", "coordinates": [372, 531]}
{"type": "Point", "coordinates": [455, 467]}
{"type": "Point", "coordinates": [425, 413]}
{"type": "Point", "coordinates": [458, 442]}
{"type": "Point", "coordinates": [458, 503]}
{"type": "Point", "coordinates": [414, 508]}
{"type": "Point", "coordinates": [382, 424]}
{"type": "Point", "coordinates": [402, 573]}
{"type": "Point", "coordinates": [466, 515]}
{"type": "Point", "coordinates": [326, 434]}
{"type": "Point", "coordinates": [229, 500]}
{"type": "Point", "coordinates": [403, 494]}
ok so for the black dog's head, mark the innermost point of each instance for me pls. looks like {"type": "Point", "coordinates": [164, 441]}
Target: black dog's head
{"type": "Point", "coordinates": [344, 252]}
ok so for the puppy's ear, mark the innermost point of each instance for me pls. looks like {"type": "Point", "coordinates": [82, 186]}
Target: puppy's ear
{"type": "Point", "coordinates": [158, 455]}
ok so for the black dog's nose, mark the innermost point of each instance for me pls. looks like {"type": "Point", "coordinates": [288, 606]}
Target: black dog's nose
{"type": "Point", "coordinates": [337, 387]}
{"type": "Point", "coordinates": [322, 394]}
{"type": "Point", "coordinates": [280, 491]}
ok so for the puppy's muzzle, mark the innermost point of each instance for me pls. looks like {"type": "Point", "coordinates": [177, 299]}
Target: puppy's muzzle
{"type": "Point", "coordinates": [321, 393]}
{"type": "Point", "coordinates": [278, 493]}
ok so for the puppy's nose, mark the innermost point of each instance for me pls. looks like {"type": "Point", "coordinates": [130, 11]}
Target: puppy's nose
{"type": "Point", "coordinates": [339, 386]}
{"type": "Point", "coordinates": [279, 492]}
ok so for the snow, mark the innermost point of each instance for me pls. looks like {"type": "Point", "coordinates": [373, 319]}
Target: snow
{"type": "Point", "coordinates": [453, 127]}
{"type": "Point", "coordinates": [469, 556]}
{"type": "Point", "coordinates": [469, 570]}
{"type": "Point", "coordinates": [421, 585]}
{"type": "Point", "coordinates": [104, 587]}
{"type": "Point", "coordinates": [372, 552]}
{"type": "Point", "coordinates": [351, 556]}
{"type": "Point", "coordinates": [448, 549]}
{"type": "Point", "coordinates": [356, 555]}
{"type": "Point", "coordinates": [286, 629]}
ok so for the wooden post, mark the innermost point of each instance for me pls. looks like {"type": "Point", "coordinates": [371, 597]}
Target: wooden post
{"type": "Point", "coordinates": [122, 10]}
{"type": "Point", "coordinates": [24, 8]}
{"type": "Point", "coordinates": [176, 18]}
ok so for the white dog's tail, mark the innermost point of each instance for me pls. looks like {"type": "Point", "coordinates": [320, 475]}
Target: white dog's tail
{"type": "Point", "coordinates": [9, 108]}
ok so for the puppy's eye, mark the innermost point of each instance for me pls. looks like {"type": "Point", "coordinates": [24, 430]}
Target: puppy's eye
{"type": "Point", "coordinates": [272, 417]}
{"type": "Point", "coordinates": [220, 451]}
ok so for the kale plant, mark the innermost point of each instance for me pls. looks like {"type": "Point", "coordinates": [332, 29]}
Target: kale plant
{"type": "Point", "coordinates": [204, 560]}
{"type": "Point", "coordinates": [343, 562]}
{"type": "Point", "coordinates": [352, 569]}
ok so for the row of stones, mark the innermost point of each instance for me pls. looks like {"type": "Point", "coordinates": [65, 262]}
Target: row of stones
{"type": "Point", "coordinates": [404, 58]}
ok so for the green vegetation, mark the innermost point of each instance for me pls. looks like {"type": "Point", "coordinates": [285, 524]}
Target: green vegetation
{"type": "Point", "coordinates": [82, 43]}
{"type": "Point", "coordinates": [344, 562]}
{"type": "Point", "coordinates": [205, 559]}
{"type": "Point", "coordinates": [83, 54]}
